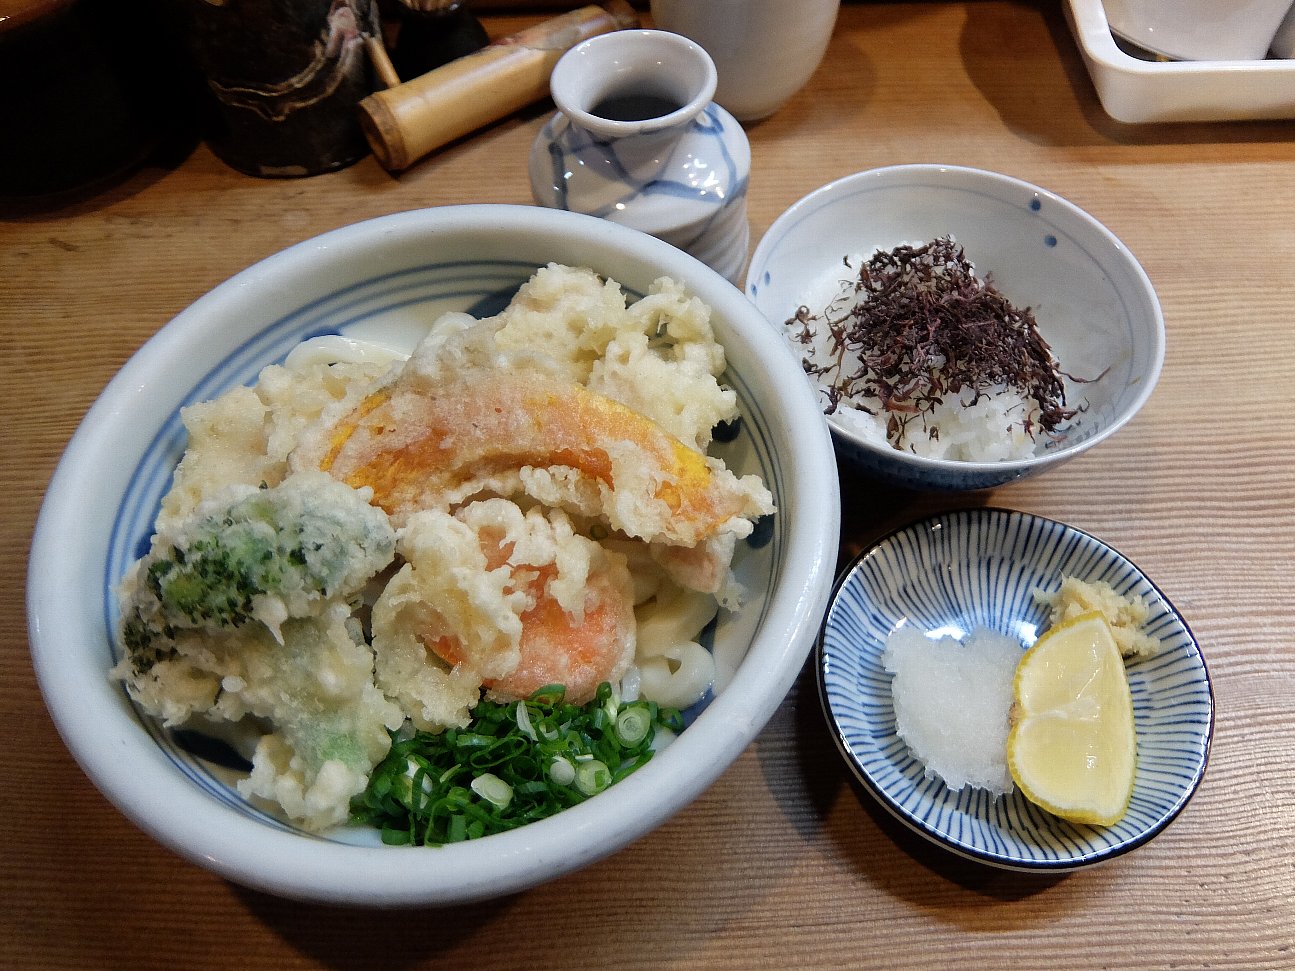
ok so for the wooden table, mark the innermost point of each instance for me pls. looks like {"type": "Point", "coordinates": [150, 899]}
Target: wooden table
{"type": "Point", "coordinates": [782, 863]}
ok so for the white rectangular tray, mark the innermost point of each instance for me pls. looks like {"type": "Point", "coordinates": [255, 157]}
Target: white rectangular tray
{"type": "Point", "coordinates": [1135, 90]}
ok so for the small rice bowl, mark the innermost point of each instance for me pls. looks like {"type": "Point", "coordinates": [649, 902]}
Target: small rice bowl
{"type": "Point", "coordinates": [1095, 305]}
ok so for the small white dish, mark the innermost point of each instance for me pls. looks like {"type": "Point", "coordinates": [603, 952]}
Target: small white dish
{"type": "Point", "coordinates": [1139, 90]}
{"type": "Point", "coordinates": [972, 568]}
{"type": "Point", "coordinates": [1094, 303]}
{"type": "Point", "coordinates": [388, 279]}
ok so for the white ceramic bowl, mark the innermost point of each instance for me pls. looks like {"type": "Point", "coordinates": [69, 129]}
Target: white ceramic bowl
{"type": "Point", "coordinates": [1094, 303]}
{"type": "Point", "coordinates": [764, 50]}
{"type": "Point", "coordinates": [956, 571]}
{"type": "Point", "coordinates": [389, 277]}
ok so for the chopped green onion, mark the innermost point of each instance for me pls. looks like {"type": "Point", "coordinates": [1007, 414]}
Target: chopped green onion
{"type": "Point", "coordinates": [610, 700]}
{"type": "Point", "coordinates": [493, 789]}
{"type": "Point", "coordinates": [516, 763]}
{"type": "Point", "coordinates": [549, 696]}
{"type": "Point", "coordinates": [523, 716]}
{"type": "Point", "coordinates": [473, 740]}
{"type": "Point", "coordinates": [592, 777]}
{"type": "Point", "coordinates": [561, 771]}
{"type": "Point", "coordinates": [633, 725]}
{"type": "Point", "coordinates": [395, 837]}
{"type": "Point", "coordinates": [458, 829]}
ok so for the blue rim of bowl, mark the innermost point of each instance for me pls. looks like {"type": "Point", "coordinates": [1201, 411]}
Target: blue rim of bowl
{"type": "Point", "coordinates": [881, 762]}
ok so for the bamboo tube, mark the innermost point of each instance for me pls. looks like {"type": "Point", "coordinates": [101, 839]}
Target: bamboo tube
{"type": "Point", "coordinates": [408, 121]}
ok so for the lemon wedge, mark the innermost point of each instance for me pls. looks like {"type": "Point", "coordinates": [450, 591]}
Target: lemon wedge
{"type": "Point", "coordinates": [1072, 746]}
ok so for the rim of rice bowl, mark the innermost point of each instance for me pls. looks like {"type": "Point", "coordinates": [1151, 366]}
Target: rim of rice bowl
{"type": "Point", "coordinates": [1032, 241]}
{"type": "Point", "coordinates": [141, 778]}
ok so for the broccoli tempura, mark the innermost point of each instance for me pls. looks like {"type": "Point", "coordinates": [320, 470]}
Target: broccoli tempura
{"type": "Point", "coordinates": [262, 555]}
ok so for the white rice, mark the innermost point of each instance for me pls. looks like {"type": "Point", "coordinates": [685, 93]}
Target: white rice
{"type": "Point", "coordinates": [989, 430]}
{"type": "Point", "coordinates": [992, 429]}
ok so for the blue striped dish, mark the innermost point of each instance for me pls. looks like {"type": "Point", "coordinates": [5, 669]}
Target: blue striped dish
{"type": "Point", "coordinates": [974, 568]}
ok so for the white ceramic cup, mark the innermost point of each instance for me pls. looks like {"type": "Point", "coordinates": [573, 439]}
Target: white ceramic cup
{"type": "Point", "coordinates": [764, 50]}
{"type": "Point", "coordinates": [1199, 30]}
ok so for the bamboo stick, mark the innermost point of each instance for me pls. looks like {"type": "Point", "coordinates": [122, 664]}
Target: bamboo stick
{"type": "Point", "coordinates": [383, 69]}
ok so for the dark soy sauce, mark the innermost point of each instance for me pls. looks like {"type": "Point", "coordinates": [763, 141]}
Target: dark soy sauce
{"type": "Point", "coordinates": [634, 107]}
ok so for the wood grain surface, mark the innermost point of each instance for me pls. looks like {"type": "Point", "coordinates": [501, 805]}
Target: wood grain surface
{"type": "Point", "coordinates": [783, 862]}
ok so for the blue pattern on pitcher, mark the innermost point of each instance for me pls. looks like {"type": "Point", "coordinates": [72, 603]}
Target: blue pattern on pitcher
{"type": "Point", "coordinates": [681, 176]}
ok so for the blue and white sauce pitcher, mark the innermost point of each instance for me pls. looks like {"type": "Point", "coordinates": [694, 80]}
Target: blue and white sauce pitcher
{"type": "Point", "coordinates": [638, 140]}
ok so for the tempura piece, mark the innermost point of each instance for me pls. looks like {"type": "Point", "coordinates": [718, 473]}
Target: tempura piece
{"type": "Point", "coordinates": [253, 555]}
{"type": "Point", "coordinates": [496, 597]}
{"type": "Point", "coordinates": [658, 355]}
{"type": "Point", "coordinates": [433, 444]}
{"type": "Point", "coordinates": [244, 436]}
{"type": "Point", "coordinates": [330, 722]}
